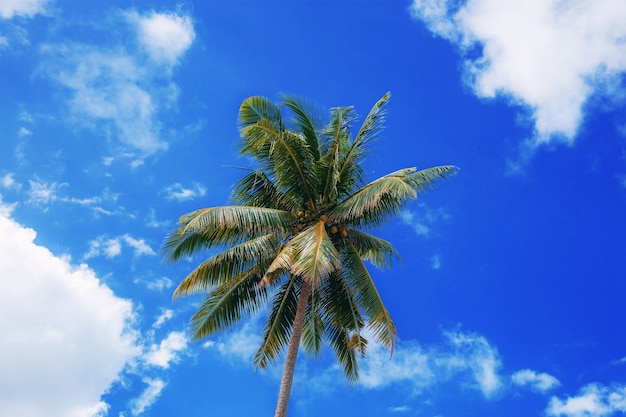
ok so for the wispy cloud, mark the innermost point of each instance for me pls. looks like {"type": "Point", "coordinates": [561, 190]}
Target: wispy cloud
{"type": "Point", "coordinates": [8, 182]}
{"type": "Point", "coordinates": [548, 56]}
{"type": "Point", "coordinates": [159, 284]}
{"type": "Point", "coordinates": [178, 192]}
{"type": "Point", "coordinates": [42, 192]}
{"type": "Point", "coordinates": [423, 219]}
{"type": "Point", "coordinates": [112, 247]}
{"type": "Point", "coordinates": [120, 89]}
{"type": "Point", "coordinates": [149, 395]}
{"type": "Point", "coordinates": [537, 381]}
{"type": "Point", "coordinates": [163, 317]}
{"type": "Point", "coordinates": [593, 400]}
{"type": "Point", "coordinates": [24, 8]}
{"type": "Point", "coordinates": [74, 335]}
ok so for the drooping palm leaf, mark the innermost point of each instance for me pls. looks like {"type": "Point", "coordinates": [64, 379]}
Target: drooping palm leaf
{"type": "Point", "coordinates": [226, 225]}
{"type": "Point", "coordinates": [367, 297]}
{"type": "Point", "coordinates": [279, 323]}
{"type": "Point", "coordinates": [373, 249]}
{"type": "Point", "coordinates": [229, 264]}
{"type": "Point", "coordinates": [226, 305]}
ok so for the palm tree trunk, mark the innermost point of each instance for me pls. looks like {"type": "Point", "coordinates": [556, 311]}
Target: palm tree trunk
{"type": "Point", "coordinates": [292, 352]}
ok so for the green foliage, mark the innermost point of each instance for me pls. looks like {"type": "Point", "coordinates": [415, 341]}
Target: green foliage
{"type": "Point", "coordinates": [300, 218]}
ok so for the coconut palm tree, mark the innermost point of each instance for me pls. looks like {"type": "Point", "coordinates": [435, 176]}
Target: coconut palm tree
{"type": "Point", "coordinates": [294, 238]}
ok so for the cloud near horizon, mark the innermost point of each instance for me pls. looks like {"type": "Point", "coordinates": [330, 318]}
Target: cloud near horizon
{"type": "Point", "coordinates": [548, 56]}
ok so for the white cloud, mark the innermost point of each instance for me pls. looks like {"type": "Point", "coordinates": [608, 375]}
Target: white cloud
{"type": "Point", "coordinates": [167, 351]}
{"type": "Point", "coordinates": [23, 132]}
{"type": "Point", "coordinates": [163, 317]}
{"type": "Point", "coordinates": [26, 8]}
{"type": "Point", "coordinates": [550, 56]}
{"type": "Point", "coordinates": [139, 245]}
{"type": "Point", "coordinates": [9, 182]}
{"type": "Point", "coordinates": [112, 247]}
{"type": "Point", "coordinates": [166, 36]}
{"type": "Point", "coordinates": [160, 284]}
{"type": "Point", "coordinates": [540, 382]}
{"type": "Point", "coordinates": [435, 261]}
{"type": "Point", "coordinates": [593, 400]}
{"type": "Point", "coordinates": [421, 221]}
{"type": "Point", "coordinates": [148, 396]}
{"type": "Point", "coordinates": [473, 354]}
{"type": "Point", "coordinates": [42, 192]}
{"type": "Point", "coordinates": [400, 409]}
{"type": "Point", "coordinates": [72, 338]}
{"type": "Point", "coordinates": [118, 90]}
{"type": "Point", "coordinates": [178, 192]}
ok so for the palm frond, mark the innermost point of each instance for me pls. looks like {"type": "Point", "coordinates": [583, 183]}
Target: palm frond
{"type": "Point", "coordinates": [227, 304]}
{"type": "Point", "coordinates": [313, 330]}
{"type": "Point", "coordinates": [374, 249]}
{"type": "Point", "coordinates": [338, 132]}
{"type": "Point", "coordinates": [257, 189]}
{"type": "Point", "coordinates": [339, 304]}
{"type": "Point", "coordinates": [310, 254]}
{"type": "Point", "coordinates": [225, 225]}
{"type": "Point", "coordinates": [306, 122]}
{"type": "Point", "coordinates": [339, 342]}
{"type": "Point", "coordinates": [279, 324]}
{"type": "Point", "coordinates": [381, 198]}
{"type": "Point", "coordinates": [257, 108]}
{"type": "Point", "coordinates": [350, 169]}
{"type": "Point", "coordinates": [229, 264]}
{"type": "Point", "coordinates": [293, 167]}
{"type": "Point", "coordinates": [367, 298]}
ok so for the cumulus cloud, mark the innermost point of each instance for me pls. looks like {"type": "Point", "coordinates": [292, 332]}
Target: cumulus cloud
{"type": "Point", "coordinates": [73, 336]}
{"type": "Point", "coordinates": [167, 351]}
{"type": "Point", "coordinates": [166, 36]}
{"type": "Point", "coordinates": [549, 56]}
{"type": "Point", "coordinates": [593, 400]}
{"type": "Point", "coordinates": [118, 89]}
{"type": "Point", "coordinates": [25, 8]}
{"type": "Point", "coordinates": [540, 382]}
{"type": "Point", "coordinates": [178, 192]}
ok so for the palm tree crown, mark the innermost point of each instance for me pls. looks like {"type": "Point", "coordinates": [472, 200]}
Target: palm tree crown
{"type": "Point", "coordinates": [295, 239]}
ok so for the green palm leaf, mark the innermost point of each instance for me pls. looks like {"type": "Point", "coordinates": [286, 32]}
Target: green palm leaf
{"type": "Point", "coordinates": [279, 323]}
{"type": "Point", "coordinates": [367, 297]}
{"type": "Point", "coordinates": [227, 304]}
{"type": "Point", "coordinates": [350, 171]}
{"type": "Point", "coordinates": [310, 254]}
{"type": "Point", "coordinates": [381, 198]}
{"type": "Point", "coordinates": [371, 248]}
{"type": "Point", "coordinates": [226, 225]}
{"type": "Point", "coordinates": [306, 122]}
{"type": "Point", "coordinates": [229, 264]}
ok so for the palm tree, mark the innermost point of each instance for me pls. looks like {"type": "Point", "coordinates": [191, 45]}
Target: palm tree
{"type": "Point", "coordinates": [294, 238]}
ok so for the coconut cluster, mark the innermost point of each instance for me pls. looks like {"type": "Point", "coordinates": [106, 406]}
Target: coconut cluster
{"type": "Point", "coordinates": [306, 217]}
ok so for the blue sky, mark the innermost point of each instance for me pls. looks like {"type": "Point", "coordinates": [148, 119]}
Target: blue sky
{"type": "Point", "coordinates": [117, 117]}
